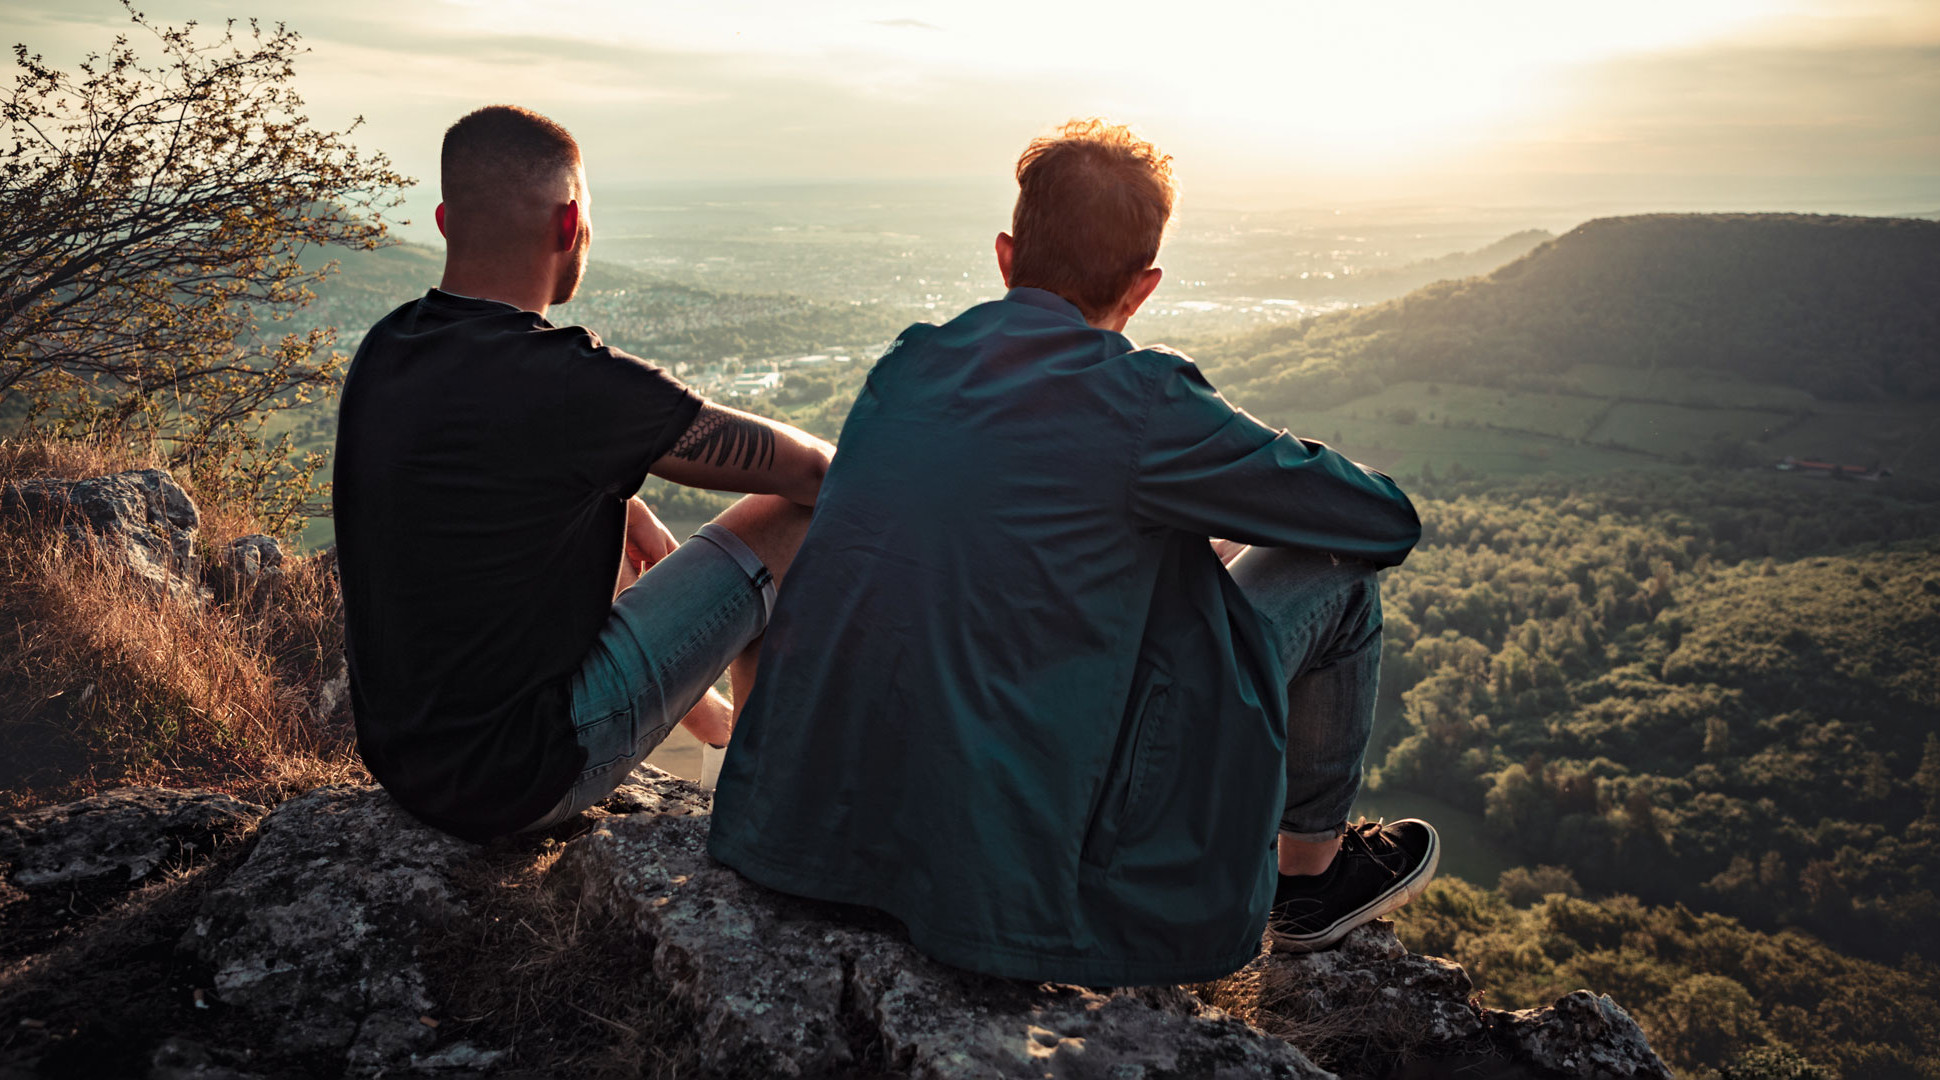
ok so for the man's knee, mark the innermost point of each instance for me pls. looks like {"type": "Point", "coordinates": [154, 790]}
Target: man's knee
{"type": "Point", "coordinates": [771, 526]}
{"type": "Point", "coordinates": [1335, 597]}
{"type": "Point", "coordinates": [1298, 571]}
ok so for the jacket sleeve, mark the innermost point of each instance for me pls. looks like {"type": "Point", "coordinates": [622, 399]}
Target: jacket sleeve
{"type": "Point", "coordinates": [1209, 468]}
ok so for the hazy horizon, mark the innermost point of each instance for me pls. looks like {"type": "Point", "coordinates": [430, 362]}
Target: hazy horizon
{"type": "Point", "coordinates": [983, 203]}
{"type": "Point", "coordinates": [1810, 105]}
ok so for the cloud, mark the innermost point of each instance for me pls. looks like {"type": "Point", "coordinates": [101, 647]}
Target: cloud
{"type": "Point", "coordinates": [1848, 108]}
{"type": "Point", "coordinates": [656, 98]}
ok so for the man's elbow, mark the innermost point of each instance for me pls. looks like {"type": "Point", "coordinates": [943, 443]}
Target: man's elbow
{"type": "Point", "coordinates": [811, 466]}
{"type": "Point", "coordinates": [1404, 533]}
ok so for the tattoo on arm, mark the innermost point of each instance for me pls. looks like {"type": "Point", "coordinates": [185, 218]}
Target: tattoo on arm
{"type": "Point", "coordinates": [720, 437]}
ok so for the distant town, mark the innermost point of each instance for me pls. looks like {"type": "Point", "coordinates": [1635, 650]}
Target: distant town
{"type": "Point", "coordinates": [735, 377]}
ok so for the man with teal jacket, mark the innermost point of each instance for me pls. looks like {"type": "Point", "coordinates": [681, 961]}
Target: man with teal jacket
{"type": "Point", "coordinates": [1015, 695]}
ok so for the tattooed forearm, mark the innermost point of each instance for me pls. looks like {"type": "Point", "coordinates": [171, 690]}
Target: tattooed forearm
{"type": "Point", "coordinates": [720, 437]}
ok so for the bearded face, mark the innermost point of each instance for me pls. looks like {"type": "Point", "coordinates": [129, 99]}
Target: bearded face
{"type": "Point", "coordinates": [575, 267]}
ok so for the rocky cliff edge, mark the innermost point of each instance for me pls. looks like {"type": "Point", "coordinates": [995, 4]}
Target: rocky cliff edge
{"type": "Point", "coordinates": [320, 937]}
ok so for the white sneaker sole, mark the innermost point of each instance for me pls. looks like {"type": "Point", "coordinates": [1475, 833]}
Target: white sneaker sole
{"type": "Point", "coordinates": [1394, 899]}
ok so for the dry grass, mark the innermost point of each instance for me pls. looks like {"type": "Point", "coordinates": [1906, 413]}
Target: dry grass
{"type": "Point", "coordinates": [102, 682]}
{"type": "Point", "coordinates": [568, 993]}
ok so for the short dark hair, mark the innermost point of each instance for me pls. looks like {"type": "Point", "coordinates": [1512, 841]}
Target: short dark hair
{"type": "Point", "coordinates": [1092, 204]}
{"type": "Point", "coordinates": [501, 148]}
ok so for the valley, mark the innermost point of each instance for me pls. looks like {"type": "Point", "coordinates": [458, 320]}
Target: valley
{"type": "Point", "coordinates": [1660, 675]}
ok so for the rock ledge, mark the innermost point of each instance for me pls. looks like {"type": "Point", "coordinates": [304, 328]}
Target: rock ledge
{"type": "Point", "coordinates": [317, 941]}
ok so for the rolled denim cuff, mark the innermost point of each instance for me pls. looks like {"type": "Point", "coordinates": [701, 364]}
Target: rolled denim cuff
{"type": "Point", "coordinates": [722, 537]}
{"type": "Point", "coordinates": [1334, 833]}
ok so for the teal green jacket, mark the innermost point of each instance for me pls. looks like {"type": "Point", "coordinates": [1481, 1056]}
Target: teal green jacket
{"type": "Point", "coordinates": [1009, 695]}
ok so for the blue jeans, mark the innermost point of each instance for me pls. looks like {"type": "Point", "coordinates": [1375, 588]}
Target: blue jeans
{"type": "Point", "coordinates": [1325, 618]}
{"type": "Point", "coordinates": [667, 639]}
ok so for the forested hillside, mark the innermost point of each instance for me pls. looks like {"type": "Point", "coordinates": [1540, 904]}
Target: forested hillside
{"type": "Point", "coordinates": [1704, 710]}
{"type": "Point", "coordinates": [1720, 690]}
{"type": "Point", "coordinates": [1840, 307]}
{"type": "Point", "coordinates": [1719, 998]}
{"type": "Point", "coordinates": [1697, 698]}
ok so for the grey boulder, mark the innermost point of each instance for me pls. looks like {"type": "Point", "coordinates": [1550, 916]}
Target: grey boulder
{"type": "Point", "coordinates": [1402, 998]}
{"type": "Point", "coordinates": [119, 838]}
{"type": "Point", "coordinates": [787, 987]}
{"type": "Point", "coordinates": [142, 518]}
{"type": "Point", "coordinates": [1370, 1003]}
{"type": "Point", "coordinates": [317, 938]}
{"type": "Point", "coordinates": [1584, 1034]}
{"type": "Point", "coordinates": [249, 568]}
{"type": "Point", "coordinates": [318, 932]}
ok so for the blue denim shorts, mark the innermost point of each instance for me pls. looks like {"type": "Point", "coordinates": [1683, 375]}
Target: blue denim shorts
{"type": "Point", "coordinates": [667, 639]}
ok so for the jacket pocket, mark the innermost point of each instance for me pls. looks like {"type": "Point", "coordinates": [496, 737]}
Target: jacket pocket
{"type": "Point", "coordinates": [1132, 765]}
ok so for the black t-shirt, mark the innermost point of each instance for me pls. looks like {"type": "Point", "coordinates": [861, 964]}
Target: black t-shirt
{"type": "Point", "coordinates": [484, 458]}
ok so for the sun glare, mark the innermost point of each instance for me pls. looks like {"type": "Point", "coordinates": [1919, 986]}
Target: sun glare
{"type": "Point", "coordinates": [1341, 84]}
{"type": "Point", "coordinates": [1340, 93]}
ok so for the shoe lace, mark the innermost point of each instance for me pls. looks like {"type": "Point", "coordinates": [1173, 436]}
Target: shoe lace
{"type": "Point", "coordinates": [1370, 841]}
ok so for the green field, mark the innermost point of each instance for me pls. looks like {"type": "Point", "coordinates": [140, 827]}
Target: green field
{"type": "Point", "coordinates": [1556, 415]}
{"type": "Point", "coordinates": [1900, 438]}
{"type": "Point", "coordinates": [1674, 429]}
{"type": "Point", "coordinates": [1601, 418]}
{"type": "Point", "coordinates": [1405, 449]}
{"type": "Point", "coordinates": [1675, 387]}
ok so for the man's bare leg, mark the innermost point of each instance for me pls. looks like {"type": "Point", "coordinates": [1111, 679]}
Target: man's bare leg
{"type": "Point", "coordinates": [771, 526]}
{"type": "Point", "coordinates": [1307, 857]}
{"type": "Point", "coordinates": [773, 529]}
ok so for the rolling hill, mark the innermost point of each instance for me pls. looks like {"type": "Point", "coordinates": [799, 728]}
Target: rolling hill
{"type": "Point", "coordinates": [1728, 339]}
{"type": "Point", "coordinates": [1841, 307]}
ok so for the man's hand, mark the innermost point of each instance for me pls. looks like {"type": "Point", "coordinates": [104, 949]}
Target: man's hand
{"type": "Point", "coordinates": [647, 540]}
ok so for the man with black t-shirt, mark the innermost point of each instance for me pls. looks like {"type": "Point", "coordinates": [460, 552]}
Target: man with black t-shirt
{"type": "Point", "coordinates": [486, 462]}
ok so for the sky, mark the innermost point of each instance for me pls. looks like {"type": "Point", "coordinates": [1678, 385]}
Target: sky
{"type": "Point", "coordinates": [1709, 101]}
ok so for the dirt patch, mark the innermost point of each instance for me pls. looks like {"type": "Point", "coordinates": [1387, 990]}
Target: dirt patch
{"type": "Point", "coordinates": [99, 989]}
{"type": "Point", "coordinates": [563, 992]}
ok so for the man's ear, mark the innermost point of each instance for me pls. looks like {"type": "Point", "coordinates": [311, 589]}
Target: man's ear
{"type": "Point", "coordinates": [566, 222]}
{"type": "Point", "coordinates": [1006, 247]}
{"type": "Point", "coordinates": [1141, 290]}
{"type": "Point", "coordinates": [440, 215]}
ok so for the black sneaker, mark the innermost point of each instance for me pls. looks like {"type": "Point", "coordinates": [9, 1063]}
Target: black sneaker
{"type": "Point", "coordinates": [1379, 868]}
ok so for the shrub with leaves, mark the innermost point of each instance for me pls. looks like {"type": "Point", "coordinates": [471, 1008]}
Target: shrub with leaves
{"type": "Point", "coordinates": [153, 223]}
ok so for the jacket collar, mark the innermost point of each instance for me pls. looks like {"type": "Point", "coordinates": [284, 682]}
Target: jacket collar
{"type": "Point", "coordinates": [1049, 301]}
